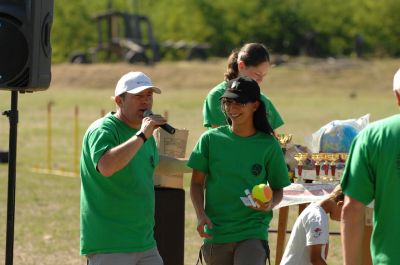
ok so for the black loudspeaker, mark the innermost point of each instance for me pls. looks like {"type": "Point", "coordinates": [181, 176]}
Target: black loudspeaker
{"type": "Point", "coordinates": [169, 230]}
{"type": "Point", "coordinates": [25, 50]}
{"type": "Point", "coordinates": [3, 156]}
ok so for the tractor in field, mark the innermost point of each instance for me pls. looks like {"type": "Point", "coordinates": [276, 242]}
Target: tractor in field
{"type": "Point", "coordinates": [121, 37]}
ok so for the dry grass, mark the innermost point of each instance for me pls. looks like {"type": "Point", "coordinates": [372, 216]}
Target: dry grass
{"type": "Point", "coordinates": [308, 94]}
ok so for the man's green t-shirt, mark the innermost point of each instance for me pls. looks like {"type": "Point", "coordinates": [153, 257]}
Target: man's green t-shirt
{"type": "Point", "coordinates": [373, 172]}
{"type": "Point", "coordinates": [232, 164]}
{"type": "Point", "coordinates": [117, 212]}
{"type": "Point", "coordinates": [213, 114]}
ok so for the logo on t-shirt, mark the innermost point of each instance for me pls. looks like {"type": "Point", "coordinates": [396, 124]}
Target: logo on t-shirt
{"type": "Point", "coordinates": [316, 232]}
{"type": "Point", "coordinates": [256, 169]}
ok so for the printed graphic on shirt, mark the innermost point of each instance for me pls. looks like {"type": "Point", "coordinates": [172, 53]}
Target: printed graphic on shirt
{"type": "Point", "coordinates": [317, 232]}
{"type": "Point", "coordinates": [256, 169]}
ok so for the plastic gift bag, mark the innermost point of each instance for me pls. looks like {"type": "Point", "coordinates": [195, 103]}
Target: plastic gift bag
{"type": "Point", "coordinates": [337, 135]}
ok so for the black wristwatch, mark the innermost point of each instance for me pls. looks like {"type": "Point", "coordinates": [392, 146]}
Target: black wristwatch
{"type": "Point", "coordinates": [141, 135]}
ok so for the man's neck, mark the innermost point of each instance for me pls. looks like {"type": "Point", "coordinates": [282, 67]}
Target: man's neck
{"type": "Point", "coordinates": [119, 115]}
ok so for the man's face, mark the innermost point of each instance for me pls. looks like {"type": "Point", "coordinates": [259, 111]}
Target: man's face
{"type": "Point", "coordinates": [132, 106]}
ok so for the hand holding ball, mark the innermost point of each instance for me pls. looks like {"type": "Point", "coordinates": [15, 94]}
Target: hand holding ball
{"type": "Point", "coordinates": [262, 192]}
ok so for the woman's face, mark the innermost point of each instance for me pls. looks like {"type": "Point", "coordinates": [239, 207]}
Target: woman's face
{"type": "Point", "coordinates": [255, 72]}
{"type": "Point", "coordinates": [239, 113]}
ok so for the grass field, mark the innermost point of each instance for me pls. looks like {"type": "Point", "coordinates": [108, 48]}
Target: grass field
{"type": "Point", "coordinates": [308, 94]}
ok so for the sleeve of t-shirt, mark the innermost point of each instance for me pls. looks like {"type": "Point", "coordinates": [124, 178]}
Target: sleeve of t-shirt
{"type": "Point", "coordinates": [199, 157]}
{"type": "Point", "coordinates": [277, 173]}
{"type": "Point", "coordinates": [358, 177]}
{"type": "Point", "coordinates": [316, 230]}
{"type": "Point", "coordinates": [274, 118]}
{"type": "Point", "coordinates": [100, 141]}
{"type": "Point", "coordinates": [212, 113]}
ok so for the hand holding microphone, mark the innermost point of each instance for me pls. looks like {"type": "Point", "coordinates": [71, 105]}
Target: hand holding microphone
{"type": "Point", "coordinates": [168, 128]}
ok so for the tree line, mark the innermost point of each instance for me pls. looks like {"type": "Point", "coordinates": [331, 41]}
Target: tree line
{"type": "Point", "coordinates": [317, 28]}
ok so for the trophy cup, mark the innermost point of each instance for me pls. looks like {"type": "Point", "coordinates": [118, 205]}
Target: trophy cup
{"type": "Point", "coordinates": [332, 158]}
{"type": "Point", "coordinates": [284, 139]}
{"type": "Point", "coordinates": [317, 157]}
{"type": "Point", "coordinates": [325, 166]}
{"type": "Point", "coordinates": [343, 157]}
{"type": "Point", "coordinates": [300, 158]}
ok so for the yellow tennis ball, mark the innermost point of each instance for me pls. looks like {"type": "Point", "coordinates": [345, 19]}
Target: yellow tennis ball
{"type": "Point", "coordinates": [262, 192]}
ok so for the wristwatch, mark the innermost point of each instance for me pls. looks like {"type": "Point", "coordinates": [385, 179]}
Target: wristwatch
{"type": "Point", "coordinates": [140, 134]}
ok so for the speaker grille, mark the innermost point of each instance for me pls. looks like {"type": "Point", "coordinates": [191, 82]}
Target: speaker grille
{"type": "Point", "coordinates": [13, 51]}
{"type": "Point", "coordinates": [21, 81]}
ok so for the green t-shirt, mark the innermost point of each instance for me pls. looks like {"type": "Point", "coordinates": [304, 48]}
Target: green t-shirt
{"type": "Point", "coordinates": [213, 114]}
{"type": "Point", "coordinates": [232, 164]}
{"type": "Point", "coordinates": [373, 172]}
{"type": "Point", "coordinates": [117, 212]}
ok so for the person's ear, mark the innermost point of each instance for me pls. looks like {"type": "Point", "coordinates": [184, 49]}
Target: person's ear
{"type": "Point", "coordinates": [241, 65]}
{"type": "Point", "coordinates": [397, 93]}
{"type": "Point", "coordinates": [118, 100]}
{"type": "Point", "coordinates": [256, 105]}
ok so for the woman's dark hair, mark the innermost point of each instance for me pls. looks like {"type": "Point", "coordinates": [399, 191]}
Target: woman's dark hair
{"type": "Point", "coordinates": [260, 120]}
{"type": "Point", "coordinates": [252, 54]}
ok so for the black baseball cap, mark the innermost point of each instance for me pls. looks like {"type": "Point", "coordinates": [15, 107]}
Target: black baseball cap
{"type": "Point", "coordinates": [242, 89]}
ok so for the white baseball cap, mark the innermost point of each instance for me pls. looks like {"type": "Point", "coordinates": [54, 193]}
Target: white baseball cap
{"type": "Point", "coordinates": [134, 83]}
{"type": "Point", "coordinates": [396, 81]}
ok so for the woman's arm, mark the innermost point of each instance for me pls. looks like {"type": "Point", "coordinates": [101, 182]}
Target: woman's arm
{"type": "Point", "coordinates": [197, 196]}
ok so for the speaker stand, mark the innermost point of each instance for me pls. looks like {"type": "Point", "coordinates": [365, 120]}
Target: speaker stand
{"type": "Point", "coordinates": [12, 162]}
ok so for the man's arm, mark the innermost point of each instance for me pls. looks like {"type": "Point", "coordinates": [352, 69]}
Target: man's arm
{"type": "Point", "coordinates": [197, 196]}
{"type": "Point", "coordinates": [119, 156]}
{"type": "Point", "coordinates": [171, 165]}
{"type": "Point", "coordinates": [315, 255]}
{"type": "Point", "coordinates": [352, 230]}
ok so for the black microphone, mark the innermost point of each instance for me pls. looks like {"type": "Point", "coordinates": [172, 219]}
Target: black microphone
{"type": "Point", "coordinates": [168, 128]}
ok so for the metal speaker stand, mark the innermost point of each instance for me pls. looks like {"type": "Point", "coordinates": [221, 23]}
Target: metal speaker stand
{"type": "Point", "coordinates": [12, 162]}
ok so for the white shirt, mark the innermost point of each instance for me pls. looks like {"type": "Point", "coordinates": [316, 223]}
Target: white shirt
{"type": "Point", "coordinates": [310, 228]}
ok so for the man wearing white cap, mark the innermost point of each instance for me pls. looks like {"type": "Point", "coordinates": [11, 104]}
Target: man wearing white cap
{"type": "Point", "coordinates": [373, 173]}
{"type": "Point", "coordinates": [119, 157]}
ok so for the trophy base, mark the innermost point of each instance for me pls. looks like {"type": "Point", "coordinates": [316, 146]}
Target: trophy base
{"type": "Point", "coordinates": [310, 174]}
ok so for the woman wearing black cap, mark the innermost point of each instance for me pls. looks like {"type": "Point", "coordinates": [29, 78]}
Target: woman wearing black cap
{"type": "Point", "coordinates": [251, 60]}
{"type": "Point", "coordinates": [228, 160]}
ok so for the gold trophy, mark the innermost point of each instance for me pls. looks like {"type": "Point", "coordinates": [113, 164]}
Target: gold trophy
{"type": "Point", "coordinates": [325, 166]}
{"type": "Point", "coordinates": [300, 158]}
{"type": "Point", "coordinates": [343, 157]}
{"type": "Point", "coordinates": [317, 157]}
{"type": "Point", "coordinates": [332, 158]}
{"type": "Point", "coordinates": [284, 139]}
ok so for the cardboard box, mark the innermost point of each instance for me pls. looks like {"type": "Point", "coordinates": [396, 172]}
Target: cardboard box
{"type": "Point", "coordinates": [173, 145]}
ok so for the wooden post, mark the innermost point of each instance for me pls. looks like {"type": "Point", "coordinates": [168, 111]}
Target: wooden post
{"type": "Point", "coordinates": [76, 141]}
{"type": "Point", "coordinates": [49, 137]}
{"type": "Point", "coordinates": [282, 226]}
